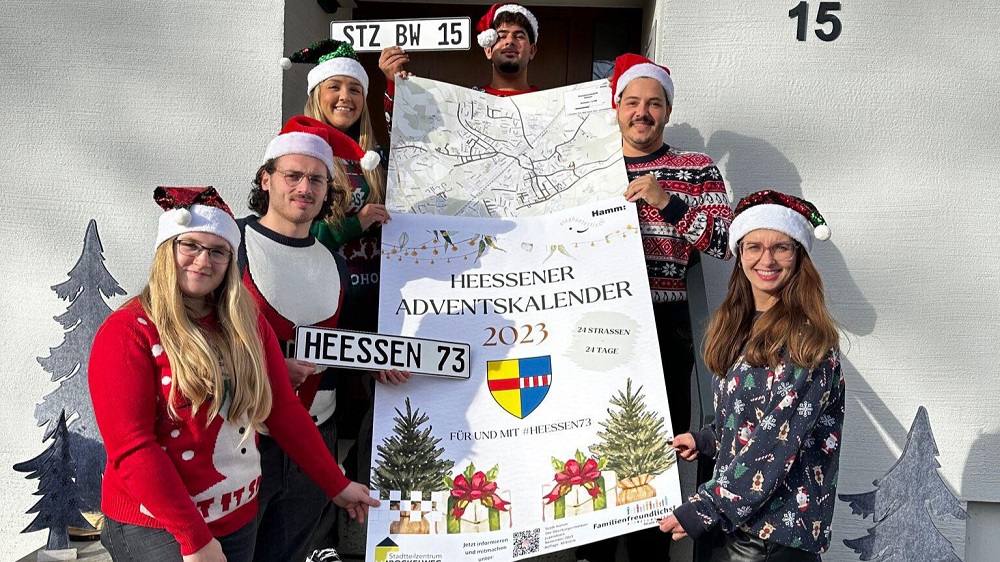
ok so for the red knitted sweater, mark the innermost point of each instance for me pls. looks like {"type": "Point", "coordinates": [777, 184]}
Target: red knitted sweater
{"type": "Point", "coordinates": [194, 479]}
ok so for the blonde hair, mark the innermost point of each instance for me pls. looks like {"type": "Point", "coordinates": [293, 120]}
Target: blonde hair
{"type": "Point", "coordinates": [197, 357]}
{"type": "Point", "coordinates": [798, 324]}
{"type": "Point", "coordinates": [366, 140]}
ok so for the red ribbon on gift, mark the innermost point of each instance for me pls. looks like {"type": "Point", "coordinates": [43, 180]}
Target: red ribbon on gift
{"type": "Point", "coordinates": [575, 475]}
{"type": "Point", "coordinates": [478, 489]}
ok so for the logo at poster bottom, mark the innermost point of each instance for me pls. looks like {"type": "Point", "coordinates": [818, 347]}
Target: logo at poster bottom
{"type": "Point", "coordinates": [519, 385]}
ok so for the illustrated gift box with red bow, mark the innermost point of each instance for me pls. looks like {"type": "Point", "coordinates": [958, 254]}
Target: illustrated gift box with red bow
{"type": "Point", "coordinates": [579, 486]}
{"type": "Point", "coordinates": [475, 505]}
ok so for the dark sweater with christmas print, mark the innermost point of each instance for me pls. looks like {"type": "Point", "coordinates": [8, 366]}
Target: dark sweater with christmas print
{"type": "Point", "coordinates": [776, 442]}
{"type": "Point", "coordinates": [696, 218]}
{"type": "Point", "coordinates": [196, 479]}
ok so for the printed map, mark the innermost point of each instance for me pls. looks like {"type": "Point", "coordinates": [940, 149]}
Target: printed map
{"type": "Point", "coordinates": [457, 151]}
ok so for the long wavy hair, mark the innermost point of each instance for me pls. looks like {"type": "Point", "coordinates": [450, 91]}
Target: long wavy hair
{"type": "Point", "coordinates": [333, 206]}
{"type": "Point", "coordinates": [798, 322]}
{"type": "Point", "coordinates": [199, 360]}
{"type": "Point", "coordinates": [365, 135]}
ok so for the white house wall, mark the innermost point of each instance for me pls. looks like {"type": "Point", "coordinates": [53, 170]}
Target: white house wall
{"type": "Point", "coordinates": [892, 131]}
{"type": "Point", "coordinates": [103, 100]}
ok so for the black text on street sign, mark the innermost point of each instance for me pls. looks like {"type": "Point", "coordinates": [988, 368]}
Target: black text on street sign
{"type": "Point", "coordinates": [442, 34]}
{"type": "Point", "coordinates": [363, 350]}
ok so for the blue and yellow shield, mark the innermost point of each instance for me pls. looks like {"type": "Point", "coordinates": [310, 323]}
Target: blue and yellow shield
{"type": "Point", "coordinates": [519, 385]}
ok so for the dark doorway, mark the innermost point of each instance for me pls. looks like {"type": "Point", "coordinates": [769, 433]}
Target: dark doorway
{"type": "Point", "coordinates": [575, 44]}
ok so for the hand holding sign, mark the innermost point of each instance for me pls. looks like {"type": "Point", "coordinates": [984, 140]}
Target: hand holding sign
{"type": "Point", "coordinates": [391, 62]}
{"type": "Point", "coordinates": [391, 376]}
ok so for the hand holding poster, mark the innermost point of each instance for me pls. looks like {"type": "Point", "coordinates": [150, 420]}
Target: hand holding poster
{"type": "Point", "coordinates": [559, 437]}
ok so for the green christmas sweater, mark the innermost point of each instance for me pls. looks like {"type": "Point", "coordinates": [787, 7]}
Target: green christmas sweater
{"type": "Point", "coordinates": [361, 249]}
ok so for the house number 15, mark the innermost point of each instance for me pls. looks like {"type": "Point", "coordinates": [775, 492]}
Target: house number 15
{"type": "Point", "coordinates": [823, 17]}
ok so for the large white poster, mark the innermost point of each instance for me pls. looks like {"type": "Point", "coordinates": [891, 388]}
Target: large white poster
{"type": "Point", "coordinates": [559, 437]}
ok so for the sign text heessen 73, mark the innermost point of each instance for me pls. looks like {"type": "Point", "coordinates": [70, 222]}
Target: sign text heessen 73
{"type": "Point", "coordinates": [363, 350]}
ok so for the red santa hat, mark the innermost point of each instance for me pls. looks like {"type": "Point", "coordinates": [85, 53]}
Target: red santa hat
{"type": "Point", "coordinates": [305, 135]}
{"type": "Point", "coordinates": [194, 209]}
{"type": "Point", "coordinates": [773, 210]}
{"type": "Point", "coordinates": [488, 35]}
{"type": "Point", "coordinates": [629, 66]}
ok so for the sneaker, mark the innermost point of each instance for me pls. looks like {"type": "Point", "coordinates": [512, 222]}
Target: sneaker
{"type": "Point", "coordinates": [325, 555]}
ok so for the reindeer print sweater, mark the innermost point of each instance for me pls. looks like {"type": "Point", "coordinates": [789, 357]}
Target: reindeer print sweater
{"type": "Point", "coordinates": [361, 249]}
{"type": "Point", "coordinates": [776, 441]}
{"type": "Point", "coordinates": [193, 477]}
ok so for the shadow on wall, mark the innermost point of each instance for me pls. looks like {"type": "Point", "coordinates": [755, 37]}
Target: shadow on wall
{"type": "Point", "coordinates": [984, 456]}
{"type": "Point", "coordinates": [873, 436]}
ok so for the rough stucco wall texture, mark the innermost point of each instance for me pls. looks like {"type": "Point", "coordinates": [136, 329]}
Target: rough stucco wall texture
{"type": "Point", "coordinates": [892, 131]}
{"type": "Point", "coordinates": [104, 100]}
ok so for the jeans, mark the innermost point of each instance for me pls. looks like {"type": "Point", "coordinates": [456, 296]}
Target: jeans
{"type": "Point", "coordinates": [741, 547]}
{"type": "Point", "coordinates": [133, 543]}
{"type": "Point", "coordinates": [290, 504]}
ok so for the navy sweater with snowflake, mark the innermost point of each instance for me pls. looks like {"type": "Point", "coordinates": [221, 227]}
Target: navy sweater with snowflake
{"type": "Point", "coordinates": [776, 439]}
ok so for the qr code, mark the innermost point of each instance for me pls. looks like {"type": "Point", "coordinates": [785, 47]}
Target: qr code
{"type": "Point", "coordinates": [526, 542]}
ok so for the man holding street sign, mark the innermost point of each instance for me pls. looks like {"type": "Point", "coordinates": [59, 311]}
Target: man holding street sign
{"type": "Point", "coordinates": [508, 34]}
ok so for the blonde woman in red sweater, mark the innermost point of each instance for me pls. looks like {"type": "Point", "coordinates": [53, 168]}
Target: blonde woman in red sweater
{"type": "Point", "coordinates": [183, 378]}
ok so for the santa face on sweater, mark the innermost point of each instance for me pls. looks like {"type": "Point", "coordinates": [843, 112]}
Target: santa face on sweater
{"type": "Point", "coordinates": [236, 461]}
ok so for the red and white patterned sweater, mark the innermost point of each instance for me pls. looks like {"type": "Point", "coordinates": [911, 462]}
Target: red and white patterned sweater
{"type": "Point", "coordinates": [194, 479]}
{"type": "Point", "coordinates": [696, 218]}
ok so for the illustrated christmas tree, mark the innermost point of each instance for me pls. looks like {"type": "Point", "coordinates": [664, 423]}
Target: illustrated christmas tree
{"type": "Point", "coordinates": [903, 503]}
{"type": "Point", "coordinates": [633, 442]}
{"type": "Point", "coordinates": [60, 504]}
{"type": "Point", "coordinates": [88, 285]}
{"type": "Point", "coordinates": [410, 458]}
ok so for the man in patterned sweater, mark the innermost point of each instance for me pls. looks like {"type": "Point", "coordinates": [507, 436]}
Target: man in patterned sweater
{"type": "Point", "coordinates": [683, 210]}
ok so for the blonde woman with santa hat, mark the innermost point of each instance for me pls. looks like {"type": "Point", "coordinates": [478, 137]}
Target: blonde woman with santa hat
{"type": "Point", "coordinates": [183, 379]}
{"type": "Point", "coordinates": [337, 89]}
{"type": "Point", "coordinates": [779, 395]}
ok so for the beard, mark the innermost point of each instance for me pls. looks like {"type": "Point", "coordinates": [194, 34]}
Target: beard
{"type": "Point", "coordinates": [509, 67]}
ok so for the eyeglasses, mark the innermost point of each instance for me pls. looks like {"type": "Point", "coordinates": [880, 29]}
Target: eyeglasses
{"type": "Point", "coordinates": [782, 251]}
{"type": "Point", "coordinates": [294, 178]}
{"type": "Point", "coordinates": [193, 250]}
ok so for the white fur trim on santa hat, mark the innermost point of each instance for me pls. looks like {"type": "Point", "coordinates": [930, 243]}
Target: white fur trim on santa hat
{"type": "Point", "coordinates": [487, 38]}
{"type": "Point", "coordinates": [519, 9]}
{"type": "Point", "coordinates": [772, 217]}
{"type": "Point", "coordinates": [300, 143]}
{"type": "Point", "coordinates": [370, 160]}
{"type": "Point", "coordinates": [337, 66]}
{"type": "Point", "coordinates": [645, 70]}
{"type": "Point", "coordinates": [199, 218]}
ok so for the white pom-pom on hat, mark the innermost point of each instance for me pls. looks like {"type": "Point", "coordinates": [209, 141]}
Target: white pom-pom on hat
{"type": "Point", "coordinates": [611, 117]}
{"type": "Point", "coordinates": [822, 232]}
{"type": "Point", "coordinates": [181, 216]}
{"type": "Point", "coordinates": [370, 160]}
{"type": "Point", "coordinates": [487, 38]}
{"type": "Point", "coordinates": [285, 63]}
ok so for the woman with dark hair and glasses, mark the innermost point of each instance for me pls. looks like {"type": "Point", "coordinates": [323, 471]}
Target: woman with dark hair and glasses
{"type": "Point", "coordinates": [779, 395]}
{"type": "Point", "coordinates": [183, 378]}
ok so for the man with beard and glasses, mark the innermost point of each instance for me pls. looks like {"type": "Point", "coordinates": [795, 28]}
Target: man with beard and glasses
{"type": "Point", "coordinates": [296, 281]}
{"type": "Point", "coordinates": [683, 210]}
{"type": "Point", "coordinates": [507, 33]}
